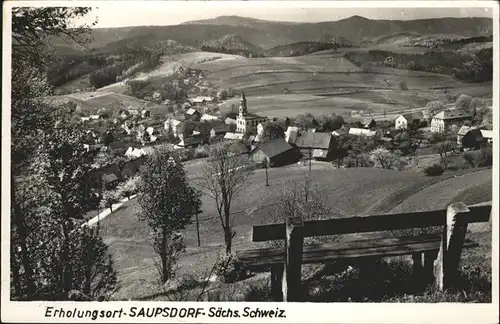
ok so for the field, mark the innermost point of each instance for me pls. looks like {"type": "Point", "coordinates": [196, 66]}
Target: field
{"type": "Point", "coordinates": [322, 82]}
{"type": "Point", "coordinates": [92, 101]}
{"type": "Point", "coordinates": [377, 191]}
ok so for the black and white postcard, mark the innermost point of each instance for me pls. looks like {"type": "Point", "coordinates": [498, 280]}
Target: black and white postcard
{"type": "Point", "coordinates": [250, 161]}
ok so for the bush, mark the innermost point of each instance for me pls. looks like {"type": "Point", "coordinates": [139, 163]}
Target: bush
{"type": "Point", "coordinates": [230, 268]}
{"type": "Point", "coordinates": [403, 85]}
{"type": "Point", "coordinates": [200, 152]}
{"type": "Point", "coordinates": [434, 170]}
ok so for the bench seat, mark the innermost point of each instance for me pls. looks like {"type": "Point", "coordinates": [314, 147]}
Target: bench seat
{"type": "Point", "coordinates": [323, 253]}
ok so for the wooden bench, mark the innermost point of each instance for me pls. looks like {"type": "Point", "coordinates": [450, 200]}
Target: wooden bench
{"type": "Point", "coordinates": [433, 256]}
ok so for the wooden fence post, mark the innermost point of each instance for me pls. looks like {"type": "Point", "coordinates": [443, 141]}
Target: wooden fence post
{"type": "Point", "coordinates": [294, 243]}
{"type": "Point", "coordinates": [453, 237]}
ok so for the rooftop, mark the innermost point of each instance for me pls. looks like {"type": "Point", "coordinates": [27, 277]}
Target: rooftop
{"type": "Point", "coordinates": [315, 140]}
{"type": "Point", "coordinates": [452, 114]}
{"type": "Point", "coordinates": [274, 147]}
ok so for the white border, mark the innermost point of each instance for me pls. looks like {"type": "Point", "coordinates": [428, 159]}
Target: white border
{"type": "Point", "coordinates": [303, 312]}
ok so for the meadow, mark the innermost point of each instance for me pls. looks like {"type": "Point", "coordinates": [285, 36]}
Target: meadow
{"type": "Point", "coordinates": [375, 191]}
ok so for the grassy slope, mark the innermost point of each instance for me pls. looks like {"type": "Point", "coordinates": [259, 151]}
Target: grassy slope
{"type": "Point", "coordinates": [92, 101]}
{"type": "Point", "coordinates": [353, 191]}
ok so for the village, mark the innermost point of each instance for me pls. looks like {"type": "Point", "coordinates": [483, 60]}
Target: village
{"type": "Point", "coordinates": [132, 134]}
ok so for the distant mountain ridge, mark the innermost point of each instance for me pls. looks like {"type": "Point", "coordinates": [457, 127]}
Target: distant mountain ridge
{"type": "Point", "coordinates": [267, 34]}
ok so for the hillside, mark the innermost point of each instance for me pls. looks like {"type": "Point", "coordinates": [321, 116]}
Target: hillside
{"type": "Point", "coordinates": [231, 44]}
{"type": "Point", "coordinates": [358, 191]}
{"type": "Point", "coordinates": [91, 102]}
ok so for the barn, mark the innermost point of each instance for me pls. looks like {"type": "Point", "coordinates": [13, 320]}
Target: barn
{"type": "Point", "coordinates": [277, 151]}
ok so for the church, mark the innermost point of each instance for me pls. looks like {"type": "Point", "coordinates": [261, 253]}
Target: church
{"type": "Point", "coordinates": [246, 122]}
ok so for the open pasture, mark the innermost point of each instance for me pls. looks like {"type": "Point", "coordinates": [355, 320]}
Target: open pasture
{"type": "Point", "coordinates": [379, 191]}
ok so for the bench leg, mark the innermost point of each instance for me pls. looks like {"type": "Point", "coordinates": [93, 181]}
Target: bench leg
{"type": "Point", "coordinates": [276, 282]}
{"type": "Point", "coordinates": [418, 263]}
{"type": "Point", "coordinates": [428, 270]}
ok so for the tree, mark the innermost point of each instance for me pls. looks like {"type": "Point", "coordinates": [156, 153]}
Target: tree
{"type": "Point", "coordinates": [272, 130]}
{"type": "Point", "coordinates": [167, 203]}
{"type": "Point", "coordinates": [331, 122]}
{"type": "Point", "coordinates": [224, 175]}
{"type": "Point", "coordinates": [301, 198]}
{"type": "Point", "coordinates": [129, 187]}
{"type": "Point", "coordinates": [109, 198]}
{"type": "Point", "coordinates": [305, 121]}
{"type": "Point", "coordinates": [434, 107]}
{"type": "Point", "coordinates": [48, 153]}
{"type": "Point", "coordinates": [442, 149]}
{"type": "Point", "coordinates": [403, 85]}
{"type": "Point", "coordinates": [32, 27]}
{"type": "Point", "coordinates": [382, 158]}
{"type": "Point", "coordinates": [464, 103]}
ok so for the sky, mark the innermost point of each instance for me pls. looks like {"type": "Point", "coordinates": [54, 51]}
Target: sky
{"type": "Point", "coordinates": [175, 12]}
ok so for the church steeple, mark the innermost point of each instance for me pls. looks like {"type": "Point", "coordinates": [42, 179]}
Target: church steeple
{"type": "Point", "coordinates": [243, 104]}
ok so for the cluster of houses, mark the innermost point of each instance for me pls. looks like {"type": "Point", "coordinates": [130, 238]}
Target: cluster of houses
{"type": "Point", "coordinates": [194, 129]}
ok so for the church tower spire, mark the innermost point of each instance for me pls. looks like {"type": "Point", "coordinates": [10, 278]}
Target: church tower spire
{"type": "Point", "coordinates": [243, 104]}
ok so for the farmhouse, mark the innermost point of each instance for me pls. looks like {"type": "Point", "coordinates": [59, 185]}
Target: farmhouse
{"type": "Point", "coordinates": [369, 123]}
{"type": "Point", "coordinates": [202, 128]}
{"type": "Point", "coordinates": [411, 120]}
{"type": "Point", "coordinates": [233, 136]}
{"type": "Point", "coordinates": [192, 114]}
{"type": "Point", "coordinates": [220, 130]}
{"type": "Point", "coordinates": [246, 122]}
{"type": "Point", "coordinates": [276, 151]}
{"type": "Point", "coordinates": [319, 145]}
{"type": "Point", "coordinates": [201, 100]}
{"type": "Point", "coordinates": [470, 137]}
{"type": "Point", "coordinates": [176, 125]}
{"type": "Point", "coordinates": [193, 141]}
{"type": "Point", "coordinates": [445, 119]}
{"type": "Point", "coordinates": [361, 132]}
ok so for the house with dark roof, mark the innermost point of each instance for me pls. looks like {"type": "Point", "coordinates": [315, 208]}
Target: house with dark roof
{"type": "Point", "coordinates": [318, 145]}
{"type": "Point", "coordinates": [470, 137]}
{"type": "Point", "coordinates": [447, 118]}
{"type": "Point", "coordinates": [194, 141]}
{"type": "Point", "coordinates": [202, 128]}
{"type": "Point", "coordinates": [277, 152]}
{"type": "Point", "coordinates": [410, 120]}
{"type": "Point", "coordinates": [369, 123]}
{"type": "Point", "coordinates": [192, 114]}
{"type": "Point", "coordinates": [221, 129]}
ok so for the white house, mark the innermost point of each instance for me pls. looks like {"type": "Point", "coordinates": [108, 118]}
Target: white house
{"type": "Point", "coordinates": [176, 125]}
{"type": "Point", "coordinates": [445, 119]}
{"type": "Point", "coordinates": [233, 136]}
{"type": "Point", "coordinates": [207, 117]}
{"type": "Point", "coordinates": [408, 120]}
{"type": "Point", "coordinates": [291, 134]}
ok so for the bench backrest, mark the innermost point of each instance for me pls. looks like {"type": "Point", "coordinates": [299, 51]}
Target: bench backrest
{"type": "Point", "coordinates": [375, 223]}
